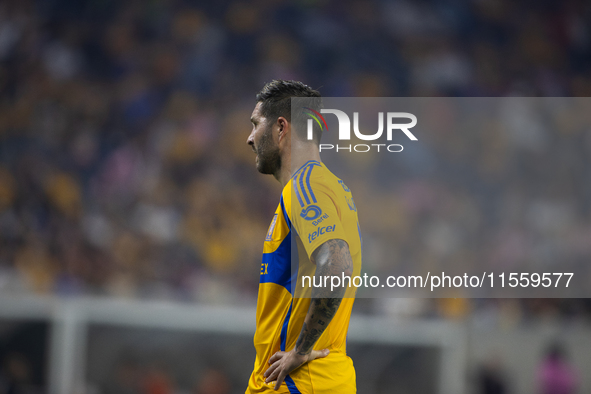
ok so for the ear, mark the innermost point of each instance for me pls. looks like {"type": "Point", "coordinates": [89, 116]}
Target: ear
{"type": "Point", "coordinates": [283, 127]}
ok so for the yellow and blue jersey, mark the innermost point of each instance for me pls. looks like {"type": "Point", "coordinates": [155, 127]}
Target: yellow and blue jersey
{"type": "Point", "coordinates": [315, 207]}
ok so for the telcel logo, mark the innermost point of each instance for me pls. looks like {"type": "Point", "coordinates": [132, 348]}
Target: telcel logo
{"type": "Point", "coordinates": [345, 129]}
{"type": "Point", "coordinates": [322, 230]}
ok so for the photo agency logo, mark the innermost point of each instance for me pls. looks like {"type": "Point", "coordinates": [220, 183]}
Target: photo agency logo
{"type": "Point", "coordinates": [392, 125]}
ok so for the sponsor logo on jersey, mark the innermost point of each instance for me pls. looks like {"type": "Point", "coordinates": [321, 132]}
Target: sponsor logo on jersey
{"type": "Point", "coordinates": [351, 203]}
{"type": "Point", "coordinates": [320, 219]}
{"type": "Point", "coordinates": [269, 236]}
{"type": "Point", "coordinates": [345, 188]}
{"type": "Point", "coordinates": [322, 230]}
{"type": "Point", "coordinates": [311, 212]}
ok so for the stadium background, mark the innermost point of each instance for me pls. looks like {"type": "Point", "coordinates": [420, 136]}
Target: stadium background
{"type": "Point", "coordinates": [125, 178]}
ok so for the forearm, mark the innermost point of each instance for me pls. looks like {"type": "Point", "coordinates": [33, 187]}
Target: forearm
{"type": "Point", "coordinates": [332, 259]}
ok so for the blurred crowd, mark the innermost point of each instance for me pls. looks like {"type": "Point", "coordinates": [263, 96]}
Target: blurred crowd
{"type": "Point", "coordinates": [124, 168]}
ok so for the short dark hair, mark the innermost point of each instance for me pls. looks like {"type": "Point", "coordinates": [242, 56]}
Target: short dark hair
{"type": "Point", "coordinates": [275, 98]}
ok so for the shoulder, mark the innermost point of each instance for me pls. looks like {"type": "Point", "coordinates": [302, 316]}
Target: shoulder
{"type": "Point", "coordinates": [312, 175]}
{"type": "Point", "coordinates": [309, 171]}
{"type": "Point", "coordinates": [310, 181]}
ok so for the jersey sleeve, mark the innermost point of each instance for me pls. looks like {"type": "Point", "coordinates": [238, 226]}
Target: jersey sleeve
{"type": "Point", "coordinates": [316, 214]}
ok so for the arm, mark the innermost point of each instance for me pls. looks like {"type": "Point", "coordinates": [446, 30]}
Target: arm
{"type": "Point", "coordinates": [331, 258]}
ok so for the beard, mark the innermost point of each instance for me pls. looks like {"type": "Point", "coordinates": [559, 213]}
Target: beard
{"type": "Point", "coordinates": [269, 157]}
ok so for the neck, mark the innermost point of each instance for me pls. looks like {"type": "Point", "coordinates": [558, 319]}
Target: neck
{"type": "Point", "coordinates": [299, 154]}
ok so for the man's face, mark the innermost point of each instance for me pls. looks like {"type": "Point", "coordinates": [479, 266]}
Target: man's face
{"type": "Point", "coordinates": [268, 159]}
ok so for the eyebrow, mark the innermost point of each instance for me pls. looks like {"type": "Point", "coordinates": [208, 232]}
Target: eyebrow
{"type": "Point", "coordinates": [252, 119]}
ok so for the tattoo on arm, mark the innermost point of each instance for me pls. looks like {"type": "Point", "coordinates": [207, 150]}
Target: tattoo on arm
{"type": "Point", "coordinates": [331, 258]}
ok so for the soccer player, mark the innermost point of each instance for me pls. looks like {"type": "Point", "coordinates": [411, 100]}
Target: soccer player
{"type": "Point", "coordinates": [301, 341]}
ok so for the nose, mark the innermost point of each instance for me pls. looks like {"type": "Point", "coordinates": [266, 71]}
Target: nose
{"type": "Point", "coordinates": [250, 139]}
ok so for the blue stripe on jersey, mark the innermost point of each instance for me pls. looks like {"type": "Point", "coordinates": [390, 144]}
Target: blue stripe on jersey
{"type": "Point", "coordinates": [299, 177]}
{"type": "Point", "coordinates": [291, 385]}
{"type": "Point", "coordinates": [288, 380]}
{"type": "Point", "coordinates": [293, 281]}
{"type": "Point", "coordinates": [297, 192]}
{"type": "Point", "coordinates": [295, 259]}
{"type": "Point", "coordinates": [308, 181]}
{"type": "Point", "coordinates": [305, 164]}
{"type": "Point", "coordinates": [303, 188]}
{"type": "Point", "coordinates": [279, 265]}
{"type": "Point", "coordinates": [283, 335]}
{"type": "Point", "coordinates": [284, 212]}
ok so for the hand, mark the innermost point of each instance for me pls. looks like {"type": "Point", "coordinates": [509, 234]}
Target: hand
{"type": "Point", "coordinates": [282, 363]}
